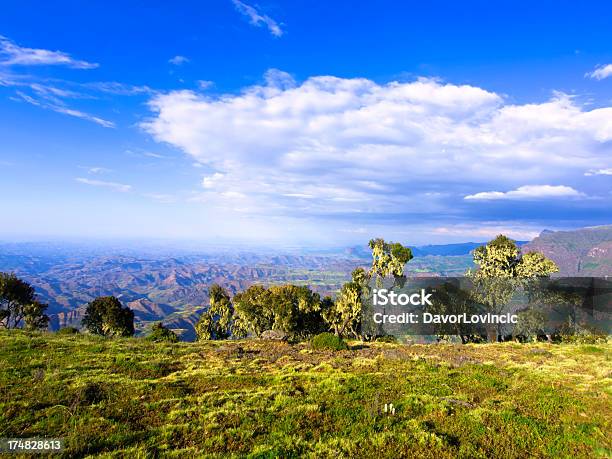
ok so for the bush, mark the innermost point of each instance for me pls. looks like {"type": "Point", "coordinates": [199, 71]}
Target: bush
{"type": "Point", "coordinates": [387, 339]}
{"type": "Point", "coordinates": [68, 331]}
{"type": "Point", "coordinates": [328, 341]}
{"type": "Point", "coordinates": [583, 338]}
{"type": "Point", "coordinates": [161, 333]}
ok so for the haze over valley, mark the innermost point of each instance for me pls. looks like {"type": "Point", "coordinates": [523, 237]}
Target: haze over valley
{"type": "Point", "coordinates": [162, 284]}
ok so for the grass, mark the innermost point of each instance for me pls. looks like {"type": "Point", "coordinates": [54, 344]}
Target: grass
{"type": "Point", "coordinates": [132, 397]}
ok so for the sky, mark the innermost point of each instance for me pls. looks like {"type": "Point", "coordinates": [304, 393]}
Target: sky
{"type": "Point", "coordinates": [304, 122]}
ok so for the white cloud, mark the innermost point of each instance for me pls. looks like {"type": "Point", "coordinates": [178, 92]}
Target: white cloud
{"type": "Point", "coordinates": [145, 154]}
{"type": "Point", "coordinates": [486, 231]}
{"type": "Point", "coordinates": [97, 170]}
{"type": "Point", "coordinates": [205, 84]}
{"type": "Point", "coordinates": [332, 145]}
{"type": "Point", "coordinates": [13, 54]}
{"type": "Point", "coordinates": [258, 19]}
{"type": "Point", "coordinates": [116, 88]}
{"type": "Point", "coordinates": [601, 72]}
{"type": "Point", "coordinates": [178, 60]}
{"type": "Point", "coordinates": [57, 106]}
{"type": "Point", "coordinates": [212, 180]}
{"type": "Point", "coordinates": [112, 185]}
{"type": "Point", "coordinates": [528, 192]}
{"type": "Point", "coordinates": [591, 172]}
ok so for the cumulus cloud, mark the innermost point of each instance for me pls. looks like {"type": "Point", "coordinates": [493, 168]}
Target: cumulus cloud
{"type": "Point", "coordinates": [601, 72]}
{"type": "Point", "coordinates": [178, 60]}
{"type": "Point", "coordinates": [112, 185]}
{"type": "Point", "coordinates": [528, 192]}
{"type": "Point", "coordinates": [340, 146]}
{"type": "Point", "coordinates": [13, 54]}
{"type": "Point", "coordinates": [257, 19]}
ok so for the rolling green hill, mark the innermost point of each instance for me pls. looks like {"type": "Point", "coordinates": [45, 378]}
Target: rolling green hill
{"type": "Point", "coordinates": [133, 398]}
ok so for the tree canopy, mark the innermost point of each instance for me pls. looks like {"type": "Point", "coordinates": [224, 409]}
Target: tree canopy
{"type": "Point", "coordinates": [388, 259]}
{"type": "Point", "coordinates": [106, 316]}
{"type": "Point", "coordinates": [501, 257]}
{"type": "Point", "coordinates": [344, 315]}
{"type": "Point", "coordinates": [295, 310]}
{"type": "Point", "coordinates": [502, 269]}
{"type": "Point", "coordinates": [160, 333]}
{"type": "Point", "coordinates": [218, 321]}
{"type": "Point", "coordinates": [18, 304]}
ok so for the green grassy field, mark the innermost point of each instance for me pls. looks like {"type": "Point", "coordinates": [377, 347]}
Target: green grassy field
{"type": "Point", "coordinates": [130, 397]}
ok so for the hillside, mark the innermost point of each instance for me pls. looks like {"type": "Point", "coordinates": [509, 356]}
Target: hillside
{"type": "Point", "coordinates": [584, 252]}
{"type": "Point", "coordinates": [129, 397]}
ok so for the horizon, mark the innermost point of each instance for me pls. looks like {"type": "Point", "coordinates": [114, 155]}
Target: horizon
{"type": "Point", "coordinates": [279, 124]}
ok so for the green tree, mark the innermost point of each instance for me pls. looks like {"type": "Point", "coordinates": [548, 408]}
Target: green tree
{"type": "Point", "coordinates": [294, 310]}
{"type": "Point", "coordinates": [254, 309]}
{"type": "Point", "coordinates": [159, 333]}
{"type": "Point", "coordinates": [106, 316]}
{"type": "Point", "coordinates": [450, 299]}
{"type": "Point", "coordinates": [35, 317]}
{"type": "Point", "coordinates": [388, 258]}
{"type": "Point", "coordinates": [502, 270]}
{"type": "Point", "coordinates": [18, 305]}
{"type": "Point", "coordinates": [344, 314]}
{"type": "Point", "coordinates": [217, 321]}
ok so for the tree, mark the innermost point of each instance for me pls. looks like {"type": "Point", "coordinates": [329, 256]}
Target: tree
{"type": "Point", "coordinates": [254, 307]}
{"type": "Point", "coordinates": [451, 299]}
{"type": "Point", "coordinates": [218, 321]}
{"type": "Point", "coordinates": [294, 310]}
{"type": "Point", "coordinates": [501, 258]}
{"type": "Point", "coordinates": [106, 316]}
{"type": "Point", "coordinates": [35, 317]}
{"type": "Point", "coordinates": [344, 315]}
{"type": "Point", "coordinates": [160, 333]}
{"type": "Point", "coordinates": [502, 269]}
{"type": "Point", "coordinates": [18, 305]}
{"type": "Point", "coordinates": [388, 258]}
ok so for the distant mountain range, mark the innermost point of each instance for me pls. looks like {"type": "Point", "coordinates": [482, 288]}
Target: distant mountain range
{"type": "Point", "coordinates": [584, 252]}
{"type": "Point", "coordinates": [174, 289]}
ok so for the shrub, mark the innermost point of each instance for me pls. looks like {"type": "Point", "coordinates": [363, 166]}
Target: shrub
{"type": "Point", "coordinates": [387, 339]}
{"type": "Point", "coordinates": [68, 331]}
{"type": "Point", "coordinates": [89, 394]}
{"type": "Point", "coordinates": [584, 338]}
{"type": "Point", "coordinates": [161, 333]}
{"type": "Point", "coordinates": [328, 341]}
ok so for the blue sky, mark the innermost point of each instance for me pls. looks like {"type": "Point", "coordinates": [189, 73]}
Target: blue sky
{"type": "Point", "coordinates": [309, 123]}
